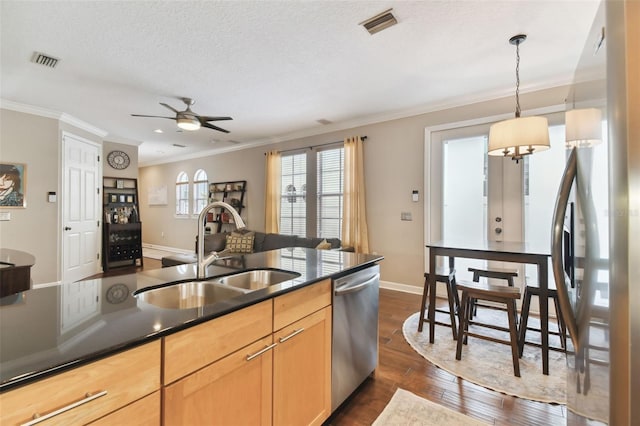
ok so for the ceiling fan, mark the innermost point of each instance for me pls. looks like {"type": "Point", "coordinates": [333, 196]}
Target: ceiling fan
{"type": "Point", "coordinates": [189, 120]}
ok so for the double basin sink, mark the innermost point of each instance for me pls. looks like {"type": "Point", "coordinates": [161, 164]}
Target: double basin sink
{"type": "Point", "coordinates": [195, 294]}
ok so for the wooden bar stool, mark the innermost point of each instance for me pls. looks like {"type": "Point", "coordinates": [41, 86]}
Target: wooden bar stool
{"type": "Point", "coordinates": [446, 276]}
{"type": "Point", "coordinates": [494, 293]}
{"type": "Point", "coordinates": [534, 290]}
{"type": "Point", "coordinates": [502, 274]}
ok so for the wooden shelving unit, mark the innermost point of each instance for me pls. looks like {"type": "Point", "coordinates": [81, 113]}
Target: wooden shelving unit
{"type": "Point", "coordinates": [122, 229]}
{"type": "Point", "coordinates": [231, 192]}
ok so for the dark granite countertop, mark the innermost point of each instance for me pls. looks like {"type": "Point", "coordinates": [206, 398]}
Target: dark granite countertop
{"type": "Point", "coordinates": [47, 330]}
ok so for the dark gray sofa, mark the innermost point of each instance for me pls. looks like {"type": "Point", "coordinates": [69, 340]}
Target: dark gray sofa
{"type": "Point", "coordinates": [261, 242]}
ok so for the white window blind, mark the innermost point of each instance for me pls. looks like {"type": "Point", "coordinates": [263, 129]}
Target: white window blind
{"type": "Point", "coordinates": [329, 195]}
{"type": "Point", "coordinates": [182, 194]}
{"type": "Point", "coordinates": [312, 188]}
{"type": "Point", "coordinates": [200, 191]}
{"type": "Point", "coordinates": [293, 206]}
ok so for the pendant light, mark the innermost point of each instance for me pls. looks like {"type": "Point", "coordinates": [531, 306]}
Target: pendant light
{"type": "Point", "coordinates": [518, 136]}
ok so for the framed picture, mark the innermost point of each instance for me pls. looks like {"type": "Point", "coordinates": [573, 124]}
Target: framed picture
{"type": "Point", "coordinates": [113, 198]}
{"type": "Point", "coordinates": [130, 199]}
{"type": "Point", "coordinates": [13, 185]}
{"type": "Point", "coordinates": [123, 198]}
{"type": "Point", "coordinates": [119, 183]}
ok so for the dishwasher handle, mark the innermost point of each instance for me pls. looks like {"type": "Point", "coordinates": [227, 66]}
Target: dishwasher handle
{"type": "Point", "coordinates": [353, 288]}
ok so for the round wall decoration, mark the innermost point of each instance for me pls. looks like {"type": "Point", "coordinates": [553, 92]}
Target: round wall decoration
{"type": "Point", "coordinates": [118, 160]}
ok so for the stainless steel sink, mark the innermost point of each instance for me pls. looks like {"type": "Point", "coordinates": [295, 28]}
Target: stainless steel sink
{"type": "Point", "coordinates": [192, 294]}
{"type": "Point", "coordinates": [257, 279]}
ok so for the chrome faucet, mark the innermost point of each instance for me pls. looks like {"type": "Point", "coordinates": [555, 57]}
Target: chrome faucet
{"type": "Point", "coordinates": [202, 261]}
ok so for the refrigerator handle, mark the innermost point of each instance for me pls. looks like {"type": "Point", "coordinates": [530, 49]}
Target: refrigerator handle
{"type": "Point", "coordinates": [562, 201]}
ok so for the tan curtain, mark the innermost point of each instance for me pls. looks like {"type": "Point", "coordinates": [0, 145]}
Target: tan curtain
{"type": "Point", "coordinates": [272, 193]}
{"type": "Point", "coordinates": [354, 216]}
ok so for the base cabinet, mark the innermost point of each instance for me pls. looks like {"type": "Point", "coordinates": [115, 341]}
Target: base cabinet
{"type": "Point", "coordinates": [233, 391]}
{"type": "Point", "coordinates": [302, 371]}
{"type": "Point", "coordinates": [144, 412]}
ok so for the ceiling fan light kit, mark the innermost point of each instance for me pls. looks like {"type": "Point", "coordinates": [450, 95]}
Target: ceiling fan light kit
{"type": "Point", "coordinates": [188, 123]}
{"type": "Point", "coordinates": [518, 136]}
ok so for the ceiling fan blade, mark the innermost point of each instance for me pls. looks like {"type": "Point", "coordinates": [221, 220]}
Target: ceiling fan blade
{"type": "Point", "coordinates": [170, 107]}
{"type": "Point", "coordinates": [152, 116]}
{"type": "Point", "coordinates": [204, 118]}
{"type": "Point", "coordinates": [211, 126]}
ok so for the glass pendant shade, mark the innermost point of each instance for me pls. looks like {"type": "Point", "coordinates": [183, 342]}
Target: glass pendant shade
{"type": "Point", "coordinates": [519, 136]}
{"type": "Point", "coordinates": [583, 127]}
{"type": "Point", "coordinates": [188, 123]}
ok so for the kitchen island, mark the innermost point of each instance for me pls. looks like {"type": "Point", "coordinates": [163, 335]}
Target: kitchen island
{"type": "Point", "coordinates": [52, 331]}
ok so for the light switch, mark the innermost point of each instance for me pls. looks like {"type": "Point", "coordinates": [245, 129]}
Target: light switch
{"type": "Point", "coordinates": [414, 196]}
{"type": "Point", "coordinates": [405, 216]}
{"type": "Point", "coordinates": [5, 216]}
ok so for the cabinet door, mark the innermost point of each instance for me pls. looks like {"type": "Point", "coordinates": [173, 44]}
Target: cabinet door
{"type": "Point", "coordinates": [144, 412]}
{"type": "Point", "coordinates": [232, 391]}
{"type": "Point", "coordinates": [302, 371]}
{"type": "Point", "coordinates": [87, 392]}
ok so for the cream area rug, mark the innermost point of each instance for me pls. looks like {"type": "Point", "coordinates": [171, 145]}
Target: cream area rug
{"type": "Point", "coordinates": [406, 408]}
{"type": "Point", "coordinates": [489, 364]}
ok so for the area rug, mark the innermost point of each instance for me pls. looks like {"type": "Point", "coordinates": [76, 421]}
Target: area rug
{"type": "Point", "coordinates": [489, 364]}
{"type": "Point", "coordinates": [406, 408]}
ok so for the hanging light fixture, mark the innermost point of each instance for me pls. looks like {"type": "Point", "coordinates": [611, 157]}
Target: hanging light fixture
{"type": "Point", "coordinates": [187, 122]}
{"type": "Point", "coordinates": [518, 136]}
{"type": "Point", "coordinates": [583, 127]}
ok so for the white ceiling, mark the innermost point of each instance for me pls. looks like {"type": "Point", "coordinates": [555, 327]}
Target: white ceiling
{"type": "Point", "coordinates": [276, 67]}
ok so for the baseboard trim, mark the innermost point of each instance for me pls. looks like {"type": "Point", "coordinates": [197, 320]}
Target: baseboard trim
{"type": "Point", "coordinates": [406, 288]}
{"type": "Point", "coordinates": [43, 285]}
{"type": "Point", "coordinates": [165, 248]}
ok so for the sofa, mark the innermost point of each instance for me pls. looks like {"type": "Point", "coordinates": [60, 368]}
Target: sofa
{"type": "Point", "coordinates": [235, 243]}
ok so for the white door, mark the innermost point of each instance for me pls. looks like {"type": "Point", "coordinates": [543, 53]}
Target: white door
{"type": "Point", "coordinates": [478, 197]}
{"type": "Point", "coordinates": [80, 208]}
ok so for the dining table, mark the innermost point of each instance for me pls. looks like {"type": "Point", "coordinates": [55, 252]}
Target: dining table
{"type": "Point", "coordinates": [501, 251]}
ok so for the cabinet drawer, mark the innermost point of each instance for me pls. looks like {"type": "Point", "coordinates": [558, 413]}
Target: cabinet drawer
{"type": "Point", "coordinates": [198, 346]}
{"type": "Point", "coordinates": [292, 306]}
{"type": "Point", "coordinates": [144, 412]}
{"type": "Point", "coordinates": [126, 377]}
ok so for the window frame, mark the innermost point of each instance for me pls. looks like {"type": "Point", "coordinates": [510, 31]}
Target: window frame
{"type": "Point", "coordinates": [180, 183]}
{"type": "Point", "coordinates": [198, 181]}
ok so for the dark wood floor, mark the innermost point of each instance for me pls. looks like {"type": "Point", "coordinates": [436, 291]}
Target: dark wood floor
{"type": "Point", "coordinates": [402, 367]}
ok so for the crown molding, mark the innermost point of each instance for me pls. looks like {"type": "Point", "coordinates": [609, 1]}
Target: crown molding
{"type": "Point", "coordinates": [56, 115]}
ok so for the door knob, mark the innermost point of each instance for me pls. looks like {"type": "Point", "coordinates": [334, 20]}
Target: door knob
{"type": "Point", "coordinates": [498, 230]}
{"type": "Point", "coordinates": [67, 228]}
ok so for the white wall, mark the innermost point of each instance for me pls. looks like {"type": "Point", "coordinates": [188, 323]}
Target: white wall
{"type": "Point", "coordinates": [394, 155]}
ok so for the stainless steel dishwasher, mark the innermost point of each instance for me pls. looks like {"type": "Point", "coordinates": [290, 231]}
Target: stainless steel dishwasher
{"type": "Point", "coordinates": [355, 331]}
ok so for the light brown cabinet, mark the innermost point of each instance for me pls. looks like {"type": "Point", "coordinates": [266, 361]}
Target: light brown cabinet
{"type": "Point", "coordinates": [144, 412]}
{"type": "Point", "coordinates": [88, 392]}
{"type": "Point", "coordinates": [282, 378]}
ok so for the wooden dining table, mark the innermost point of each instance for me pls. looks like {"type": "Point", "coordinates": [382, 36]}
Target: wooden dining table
{"type": "Point", "coordinates": [502, 251]}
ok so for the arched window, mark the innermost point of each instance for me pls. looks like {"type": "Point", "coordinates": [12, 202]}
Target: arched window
{"type": "Point", "coordinates": [182, 194]}
{"type": "Point", "coordinates": [200, 191]}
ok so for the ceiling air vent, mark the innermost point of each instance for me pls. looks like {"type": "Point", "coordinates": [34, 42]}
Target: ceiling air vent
{"type": "Point", "coordinates": [177, 145]}
{"type": "Point", "coordinates": [46, 60]}
{"type": "Point", "coordinates": [324, 121]}
{"type": "Point", "coordinates": [380, 22]}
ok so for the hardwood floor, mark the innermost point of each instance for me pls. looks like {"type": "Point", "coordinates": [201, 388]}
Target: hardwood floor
{"type": "Point", "coordinates": [401, 367]}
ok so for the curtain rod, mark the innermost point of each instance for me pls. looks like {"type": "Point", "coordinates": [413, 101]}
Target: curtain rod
{"type": "Point", "coordinates": [315, 146]}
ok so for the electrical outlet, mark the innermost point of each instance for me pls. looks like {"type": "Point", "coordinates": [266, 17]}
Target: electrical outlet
{"type": "Point", "coordinates": [162, 234]}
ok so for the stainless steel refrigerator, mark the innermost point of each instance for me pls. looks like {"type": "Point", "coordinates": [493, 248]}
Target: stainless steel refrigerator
{"type": "Point", "coordinates": [596, 238]}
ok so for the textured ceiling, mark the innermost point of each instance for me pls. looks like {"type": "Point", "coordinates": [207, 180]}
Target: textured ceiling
{"type": "Point", "coordinates": [276, 67]}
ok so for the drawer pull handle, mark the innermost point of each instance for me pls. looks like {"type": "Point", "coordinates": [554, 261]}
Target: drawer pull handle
{"type": "Point", "coordinates": [295, 332]}
{"type": "Point", "coordinates": [260, 352]}
{"type": "Point", "coordinates": [37, 418]}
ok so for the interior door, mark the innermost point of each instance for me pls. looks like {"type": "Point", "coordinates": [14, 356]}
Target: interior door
{"type": "Point", "coordinates": [80, 208]}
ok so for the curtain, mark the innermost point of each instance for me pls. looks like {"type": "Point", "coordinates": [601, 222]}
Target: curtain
{"type": "Point", "coordinates": [272, 193]}
{"type": "Point", "coordinates": [354, 217]}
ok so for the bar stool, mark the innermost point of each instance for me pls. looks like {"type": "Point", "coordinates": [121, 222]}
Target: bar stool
{"type": "Point", "coordinates": [534, 290]}
{"type": "Point", "coordinates": [497, 273]}
{"type": "Point", "coordinates": [493, 293]}
{"type": "Point", "coordinates": [446, 276]}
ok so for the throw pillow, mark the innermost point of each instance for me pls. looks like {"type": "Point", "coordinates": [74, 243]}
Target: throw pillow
{"type": "Point", "coordinates": [240, 243]}
{"type": "Point", "coordinates": [324, 245]}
